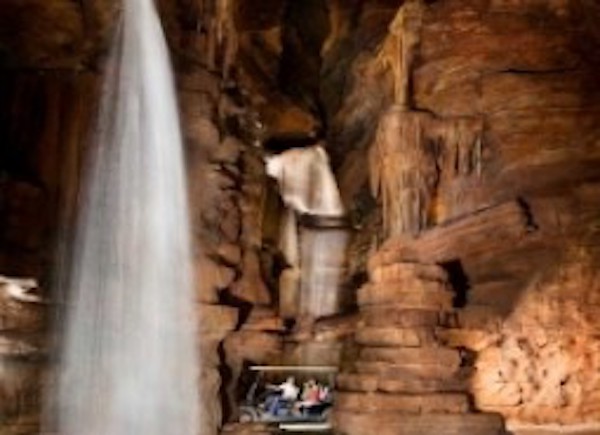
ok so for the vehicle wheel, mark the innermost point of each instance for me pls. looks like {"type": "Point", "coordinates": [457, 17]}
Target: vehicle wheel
{"type": "Point", "coordinates": [247, 417]}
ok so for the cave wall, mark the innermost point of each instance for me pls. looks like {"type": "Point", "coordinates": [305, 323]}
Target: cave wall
{"type": "Point", "coordinates": [45, 120]}
{"type": "Point", "coordinates": [51, 74]}
{"type": "Point", "coordinates": [500, 99]}
{"type": "Point", "coordinates": [500, 93]}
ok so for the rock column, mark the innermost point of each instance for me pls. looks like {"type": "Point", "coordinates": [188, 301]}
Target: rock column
{"type": "Point", "coordinates": [405, 381]}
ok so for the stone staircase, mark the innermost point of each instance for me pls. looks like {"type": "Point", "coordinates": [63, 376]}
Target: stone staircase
{"type": "Point", "coordinates": [405, 381]}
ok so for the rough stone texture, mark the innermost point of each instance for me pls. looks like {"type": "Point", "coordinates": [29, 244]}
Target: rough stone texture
{"type": "Point", "coordinates": [402, 368]}
{"type": "Point", "coordinates": [428, 424]}
{"type": "Point", "coordinates": [325, 342]}
{"type": "Point", "coordinates": [508, 116]}
{"type": "Point", "coordinates": [39, 165]}
{"type": "Point", "coordinates": [541, 358]}
{"type": "Point", "coordinates": [51, 58]}
{"type": "Point", "coordinates": [406, 404]}
{"type": "Point", "coordinates": [62, 34]}
{"type": "Point", "coordinates": [23, 355]}
{"type": "Point", "coordinates": [39, 174]}
{"type": "Point", "coordinates": [399, 383]}
{"type": "Point", "coordinates": [242, 349]}
{"type": "Point", "coordinates": [490, 229]}
{"type": "Point", "coordinates": [248, 429]}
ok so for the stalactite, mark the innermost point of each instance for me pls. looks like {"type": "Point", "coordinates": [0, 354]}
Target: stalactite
{"type": "Point", "coordinates": [462, 143]}
{"type": "Point", "coordinates": [403, 170]}
{"type": "Point", "coordinates": [222, 39]}
{"type": "Point", "coordinates": [226, 35]}
{"type": "Point", "coordinates": [398, 50]}
{"type": "Point", "coordinates": [211, 46]}
{"type": "Point", "coordinates": [405, 167]}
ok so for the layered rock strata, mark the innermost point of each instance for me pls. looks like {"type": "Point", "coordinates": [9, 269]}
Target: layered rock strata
{"type": "Point", "coordinates": [403, 375]}
{"type": "Point", "coordinates": [497, 112]}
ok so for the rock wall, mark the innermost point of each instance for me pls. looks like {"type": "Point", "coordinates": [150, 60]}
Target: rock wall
{"type": "Point", "coordinates": [47, 114]}
{"type": "Point", "coordinates": [44, 122]}
{"type": "Point", "coordinates": [403, 373]}
{"type": "Point", "coordinates": [498, 97]}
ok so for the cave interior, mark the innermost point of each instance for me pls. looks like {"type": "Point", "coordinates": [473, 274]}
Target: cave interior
{"type": "Point", "coordinates": [454, 282]}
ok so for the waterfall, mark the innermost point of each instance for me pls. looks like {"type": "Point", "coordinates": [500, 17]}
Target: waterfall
{"type": "Point", "coordinates": [129, 362]}
{"type": "Point", "coordinates": [316, 256]}
{"type": "Point", "coordinates": [306, 182]}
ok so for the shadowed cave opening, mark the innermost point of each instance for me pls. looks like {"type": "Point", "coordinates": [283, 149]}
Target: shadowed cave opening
{"type": "Point", "coordinates": [458, 281]}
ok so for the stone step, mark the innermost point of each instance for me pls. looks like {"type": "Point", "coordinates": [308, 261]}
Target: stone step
{"type": "Point", "coordinates": [395, 337]}
{"type": "Point", "coordinates": [390, 315]}
{"type": "Point", "coordinates": [402, 403]}
{"type": "Point", "coordinates": [398, 384]}
{"type": "Point", "coordinates": [421, 355]}
{"type": "Point", "coordinates": [248, 429]}
{"type": "Point", "coordinates": [429, 296]}
{"type": "Point", "coordinates": [386, 423]}
{"type": "Point", "coordinates": [410, 371]}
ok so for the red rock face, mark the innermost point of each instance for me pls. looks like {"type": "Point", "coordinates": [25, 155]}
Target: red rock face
{"type": "Point", "coordinates": [61, 34]}
{"type": "Point", "coordinates": [522, 71]}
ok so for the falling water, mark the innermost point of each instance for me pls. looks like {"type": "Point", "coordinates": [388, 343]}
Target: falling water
{"type": "Point", "coordinates": [129, 363]}
{"type": "Point", "coordinates": [317, 255]}
{"type": "Point", "coordinates": [323, 254]}
{"type": "Point", "coordinates": [306, 182]}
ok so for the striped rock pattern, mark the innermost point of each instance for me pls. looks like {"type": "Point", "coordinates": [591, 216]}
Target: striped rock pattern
{"type": "Point", "coordinates": [404, 375]}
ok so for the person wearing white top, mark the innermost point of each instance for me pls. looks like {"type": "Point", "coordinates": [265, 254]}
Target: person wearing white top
{"type": "Point", "coordinates": [289, 390]}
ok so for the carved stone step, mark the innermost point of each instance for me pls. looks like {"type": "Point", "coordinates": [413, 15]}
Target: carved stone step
{"type": "Point", "coordinates": [386, 423]}
{"type": "Point", "coordinates": [403, 403]}
{"type": "Point", "coordinates": [428, 296]}
{"type": "Point", "coordinates": [399, 384]}
{"type": "Point", "coordinates": [421, 355]}
{"type": "Point", "coordinates": [394, 316]}
{"type": "Point", "coordinates": [394, 337]}
{"type": "Point", "coordinates": [248, 429]}
{"type": "Point", "coordinates": [414, 370]}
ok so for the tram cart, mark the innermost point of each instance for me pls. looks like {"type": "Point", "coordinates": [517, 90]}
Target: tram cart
{"type": "Point", "coordinates": [291, 416]}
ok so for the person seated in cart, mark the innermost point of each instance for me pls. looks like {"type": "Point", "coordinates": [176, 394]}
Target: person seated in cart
{"type": "Point", "coordinates": [286, 394]}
